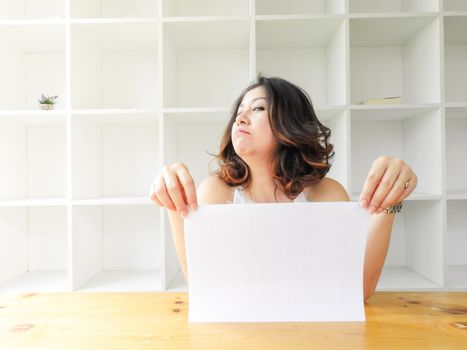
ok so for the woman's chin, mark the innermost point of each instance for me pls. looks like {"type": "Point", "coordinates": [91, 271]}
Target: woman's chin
{"type": "Point", "coordinates": [242, 149]}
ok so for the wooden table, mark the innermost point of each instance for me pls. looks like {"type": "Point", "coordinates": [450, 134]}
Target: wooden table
{"type": "Point", "coordinates": [159, 321]}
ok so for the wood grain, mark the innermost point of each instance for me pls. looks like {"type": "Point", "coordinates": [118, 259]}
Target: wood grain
{"type": "Point", "coordinates": [159, 321]}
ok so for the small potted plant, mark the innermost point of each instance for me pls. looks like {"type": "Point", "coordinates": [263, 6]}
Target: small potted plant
{"type": "Point", "coordinates": [47, 102]}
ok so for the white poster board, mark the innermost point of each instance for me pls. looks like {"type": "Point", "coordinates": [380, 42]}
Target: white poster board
{"type": "Point", "coordinates": [286, 262]}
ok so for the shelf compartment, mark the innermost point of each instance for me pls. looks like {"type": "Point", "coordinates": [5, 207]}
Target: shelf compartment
{"type": "Point", "coordinates": [203, 8]}
{"type": "Point", "coordinates": [49, 202]}
{"type": "Point", "coordinates": [33, 249]}
{"type": "Point", "coordinates": [113, 201]}
{"type": "Point", "coordinates": [190, 138]}
{"type": "Point", "coordinates": [456, 276]}
{"type": "Point", "coordinates": [31, 66]}
{"type": "Point", "coordinates": [113, 9]}
{"type": "Point", "coordinates": [113, 155]}
{"type": "Point", "coordinates": [338, 121]}
{"type": "Point", "coordinates": [408, 134]}
{"type": "Point", "coordinates": [115, 65]}
{"type": "Point", "coordinates": [295, 7]}
{"type": "Point", "coordinates": [456, 252]}
{"type": "Point", "coordinates": [14, 9]}
{"type": "Point", "coordinates": [33, 150]}
{"type": "Point", "coordinates": [124, 281]}
{"type": "Point", "coordinates": [457, 194]}
{"type": "Point", "coordinates": [404, 279]}
{"type": "Point", "coordinates": [37, 282]}
{"type": "Point", "coordinates": [206, 114]}
{"type": "Point", "coordinates": [196, 54]}
{"type": "Point", "coordinates": [32, 118]}
{"type": "Point", "coordinates": [178, 284]}
{"type": "Point", "coordinates": [455, 5]}
{"type": "Point", "coordinates": [308, 52]}
{"type": "Point", "coordinates": [391, 6]}
{"type": "Point", "coordinates": [455, 62]}
{"type": "Point", "coordinates": [116, 248]}
{"type": "Point", "coordinates": [415, 255]}
{"type": "Point", "coordinates": [385, 59]}
{"type": "Point", "coordinates": [456, 149]}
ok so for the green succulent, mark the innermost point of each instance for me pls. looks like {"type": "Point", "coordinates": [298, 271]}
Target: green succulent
{"type": "Point", "coordinates": [49, 100]}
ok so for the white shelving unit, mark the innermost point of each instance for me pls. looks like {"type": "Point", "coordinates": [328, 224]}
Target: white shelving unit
{"type": "Point", "coordinates": [455, 40]}
{"type": "Point", "coordinates": [396, 6]}
{"type": "Point", "coordinates": [31, 64]}
{"type": "Point", "coordinates": [455, 5]}
{"type": "Point", "coordinates": [112, 8]}
{"type": "Point", "coordinates": [456, 183]}
{"type": "Point", "coordinates": [385, 56]}
{"type": "Point", "coordinates": [456, 243]}
{"type": "Point", "coordinates": [197, 53]}
{"type": "Point", "coordinates": [407, 133]}
{"type": "Point", "coordinates": [32, 9]}
{"type": "Point", "coordinates": [310, 52]}
{"type": "Point", "coordinates": [299, 7]}
{"type": "Point", "coordinates": [456, 146]}
{"type": "Point", "coordinates": [151, 82]}
{"type": "Point", "coordinates": [205, 8]}
{"type": "Point", "coordinates": [114, 65]}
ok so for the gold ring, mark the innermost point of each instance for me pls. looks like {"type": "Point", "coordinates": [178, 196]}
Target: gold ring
{"type": "Point", "coordinates": [406, 185]}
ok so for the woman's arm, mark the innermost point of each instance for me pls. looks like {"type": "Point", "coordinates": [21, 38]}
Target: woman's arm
{"type": "Point", "coordinates": [379, 235]}
{"type": "Point", "coordinates": [377, 244]}
{"type": "Point", "coordinates": [389, 181]}
{"type": "Point", "coordinates": [210, 191]}
{"type": "Point", "coordinates": [176, 224]}
{"type": "Point", "coordinates": [174, 189]}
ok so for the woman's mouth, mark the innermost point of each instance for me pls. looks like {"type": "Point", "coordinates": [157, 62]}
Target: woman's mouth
{"type": "Point", "coordinates": [241, 131]}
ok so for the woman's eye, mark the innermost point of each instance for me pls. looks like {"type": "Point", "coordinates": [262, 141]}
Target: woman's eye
{"type": "Point", "coordinates": [260, 108]}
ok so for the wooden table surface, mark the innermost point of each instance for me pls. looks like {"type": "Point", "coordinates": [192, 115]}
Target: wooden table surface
{"type": "Point", "coordinates": [159, 321]}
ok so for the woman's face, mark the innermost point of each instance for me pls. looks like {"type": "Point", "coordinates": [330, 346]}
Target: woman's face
{"type": "Point", "coordinates": [251, 131]}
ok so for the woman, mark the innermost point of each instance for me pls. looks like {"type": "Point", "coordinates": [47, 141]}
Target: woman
{"type": "Point", "coordinates": [274, 149]}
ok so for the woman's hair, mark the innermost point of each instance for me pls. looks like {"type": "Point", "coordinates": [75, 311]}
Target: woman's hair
{"type": "Point", "coordinates": [303, 153]}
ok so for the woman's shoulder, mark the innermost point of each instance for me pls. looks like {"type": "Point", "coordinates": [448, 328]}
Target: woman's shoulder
{"type": "Point", "coordinates": [327, 190]}
{"type": "Point", "coordinates": [213, 190]}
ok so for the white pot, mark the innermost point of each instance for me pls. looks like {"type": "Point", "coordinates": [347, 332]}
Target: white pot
{"type": "Point", "coordinates": [46, 106]}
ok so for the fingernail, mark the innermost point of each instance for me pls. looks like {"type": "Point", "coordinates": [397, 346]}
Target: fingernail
{"type": "Point", "coordinates": [372, 210]}
{"type": "Point", "coordinates": [183, 214]}
{"type": "Point", "coordinates": [193, 206]}
{"type": "Point", "coordinates": [363, 203]}
{"type": "Point", "coordinates": [380, 210]}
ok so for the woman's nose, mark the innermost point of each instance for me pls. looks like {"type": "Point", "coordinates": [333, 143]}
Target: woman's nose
{"type": "Point", "coordinates": [242, 118]}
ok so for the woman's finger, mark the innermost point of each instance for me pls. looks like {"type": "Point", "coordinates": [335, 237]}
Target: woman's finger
{"type": "Point", "coordinates": [374, 176]}
{"type": "Point", "coordinates": [396, 191]}
{"type": "Point", "coordinates": [156, 200]}
{"type": "Point", "coordinates": [411, 185]}
{"type": "Point", "coordinates": [162, 194]}
{"type": "Point", "coordinates": [152, 192]}
{"type": "Point", "coordinates": [188, 186]}
{"type": "Point", "coordinates": [175, 191]}
{"type": "Point", "coordinates": [385, 186]}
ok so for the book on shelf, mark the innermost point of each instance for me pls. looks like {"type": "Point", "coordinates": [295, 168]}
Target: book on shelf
{"type": "Point", "coordinates": [382, 100]}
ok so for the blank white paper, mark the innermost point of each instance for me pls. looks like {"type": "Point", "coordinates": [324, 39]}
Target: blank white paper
{"type": "Point", "coordinates": [286, 262]}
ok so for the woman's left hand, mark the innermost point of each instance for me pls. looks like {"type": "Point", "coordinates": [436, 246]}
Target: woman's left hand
{"type": "Point", "coordinates": [389, 181]}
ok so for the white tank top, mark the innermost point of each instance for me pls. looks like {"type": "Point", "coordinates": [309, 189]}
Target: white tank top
{"type": "Point", "coordinates": [240, 197]}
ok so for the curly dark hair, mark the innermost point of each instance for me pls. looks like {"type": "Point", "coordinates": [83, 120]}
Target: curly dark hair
{"type": "Point", "coordinates": [303, 155]}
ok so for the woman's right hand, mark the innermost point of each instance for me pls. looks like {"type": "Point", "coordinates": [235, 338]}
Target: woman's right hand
{"type": "Point", "coordinates": [174, 189]}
